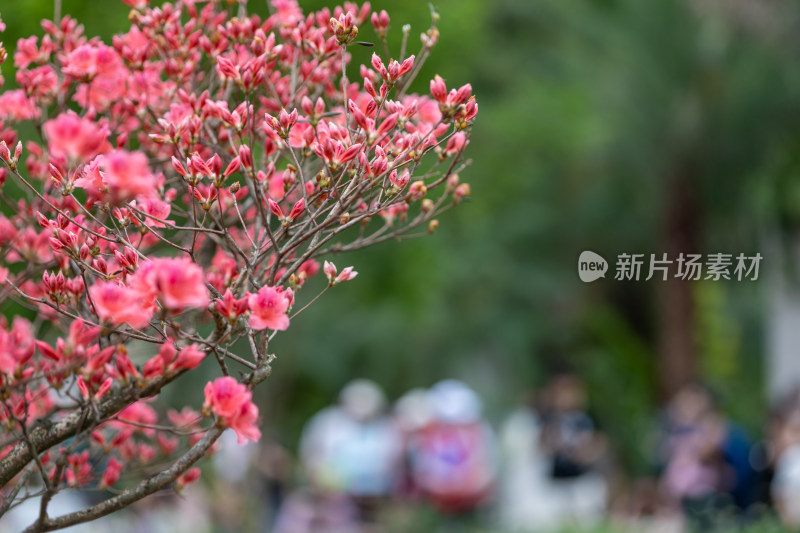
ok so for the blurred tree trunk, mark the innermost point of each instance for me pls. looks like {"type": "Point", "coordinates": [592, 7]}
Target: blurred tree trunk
{"type": "Point", "coordinates": [677, 348]}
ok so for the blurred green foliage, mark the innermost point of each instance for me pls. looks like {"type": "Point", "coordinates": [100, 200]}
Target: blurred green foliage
{"type": "Point", "coordinates": [587, 107]}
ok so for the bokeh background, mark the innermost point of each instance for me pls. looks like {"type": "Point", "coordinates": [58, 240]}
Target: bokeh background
{"type": "Point", "coordinates": [618, 126]}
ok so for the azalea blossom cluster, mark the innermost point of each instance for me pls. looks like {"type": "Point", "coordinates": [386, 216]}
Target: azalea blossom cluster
{"type": "Point", "coordinates": [167, 200]}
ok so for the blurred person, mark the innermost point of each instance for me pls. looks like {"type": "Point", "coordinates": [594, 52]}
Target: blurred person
{"type": "Point", "coordinates": [412, 412]}
{"type": "Point", "coordinates": [706, 460]}
{"type": "Point", "coordinates": [353, 449]}
{"type": "Point", "coordinates": [275, 465]}
{"type": "Point", "coordinates": [526, 499]}
{"type": "Point", "coordinates": [453, 457]}
{"type": "Point", "coordinates": [579, 492]}
{"type": "Point", "coordinates": [785, 444]}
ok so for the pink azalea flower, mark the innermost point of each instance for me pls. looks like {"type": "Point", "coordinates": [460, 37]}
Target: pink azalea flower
{"type": "Point", "coordinates": [26, 52]}
{"type": "Point", "coordinates": [244, 423]}
{"type": "Point", "coordinates": [90, 60]}
{"type": "Point", "coordinates": [111, 473]}
{"type": "Point", "coordinates": [179, 283]}
{"type": "Point", "coordinates": [138, 413]}
{"type": "Point", "coordinates": [75, 137]}
{"type": "Point", "coordinates": [232, 404]}
{"type": "Point", "coordinates": [127, 174]}
{"type": "Point", "coordinates": [40, 82]}
{"type": "Point", "coordinates": [119, 304]}
{"type": "Point", "coordinates": [16, 345]}
{"type": "Point", "coordinates": [231, 307]}
{"type": "Point", "coordinates": [224, 396]}
{"type": "Point", "coordinates": [91, 178]}
{"type": "Point", "coordinates": [15, 105]}
{"type": "Point", "coordinates": [189, 357]}
{"type": "Point", "coordinates": [157, 209]}
{"type": "Point", "coordinates": [269, 307]}
{"type": "Point", "coordinates": [185, 418]}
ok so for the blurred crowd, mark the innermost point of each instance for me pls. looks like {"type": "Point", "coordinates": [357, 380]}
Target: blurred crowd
{"type": "Point", "coordinates": [547, 467]}
{"type": "Point", "coordinates": [431, 461]}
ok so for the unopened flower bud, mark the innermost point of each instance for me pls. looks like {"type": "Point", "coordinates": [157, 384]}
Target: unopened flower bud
{"type": "Point", "coordinates": [452, 182]}
{"type": "Point", "coordinates": [433, 225]}
{"type": "Point", "coordinates": [5, 153]}
{"type": "Point", "coordinates": [461, 192]}
{"type": "Point", "coordinates": [417, 190]}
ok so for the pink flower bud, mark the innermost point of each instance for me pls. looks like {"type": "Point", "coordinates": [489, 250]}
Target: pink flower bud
{"type": "Point", "coordinates": [350, 153]}
{"type": "Point", "coordinates": [377, 64]}
{"type": "Point", "coordinates": [189, 357]}
{"type": "Point", "coordinates": [274, 208]}
{"type": "Point", "coordinates": [101, 265]}
{"type": "Point", "coordinates": [111, 473]}
{"type": "Point", "coordinates": [215, 164]}
{"type": "Point", "coordinates": [463, 94]}
{"type": "Point", "coordinates": [330, 270]}
{"type": "Point", "coordinates": [307, 105]}
{"type": "Point", "coordinates": [55, 174]}
{"type": "Point", "coordinates": [226, 68]}
{"type": "Point", "coordinates": [245, 156]}
{"type": "Point", "coordinates": [359, 117]}
{"type": "Point", "coordinates": [104, 388]}
{"type": "Point", "coordinates": [406, 66]}
{"type": "Point", "coordinates": [287, 120]}
{"type": "Point", "coordinates": [417, 190]}
{"type": "Point", "coordinates": [42, 220]}
{"type": "Point", "coordinates": [380, 20]}
{"type": "Point", "coordinates": [199, 166]}
{"type": "Point", "coordinates": [438, 89]}
{"type": "Point", "coordinates": [47, 351]}
{"type": "Point", "coordinates": [297, 209]}
{"type": "Point", "coordinates": [399, 181]}
{"type": "Point", "coordinates": [76, 286]}
{"type": "Point", "coordinates": [233, 166]}
{"type": "Point", "coordinates": [83, 388]}
{"type": "Point", "coordinates": [369, 88]}
{"type": "Point", "coordinates": [179, 168]}
{"type": "Point", "coordinates": [387, 125]}
{"type": "Point", "coordinates": [191, 476]}
{"type": "Point", "coordinates": [346, 275]}
{"type": "Point", "coordinates": [462, 191]}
